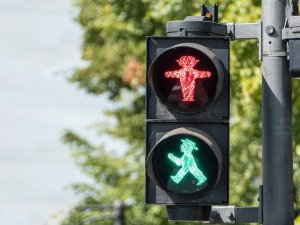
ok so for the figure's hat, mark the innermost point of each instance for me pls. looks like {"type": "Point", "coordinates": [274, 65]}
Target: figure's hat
{"type": "Point", "coordinates": [189, 144]}
{"type": "Point", "coordinates": [187, 60]}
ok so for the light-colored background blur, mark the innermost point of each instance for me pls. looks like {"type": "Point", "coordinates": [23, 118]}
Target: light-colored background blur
{"type": "Point", "coordinates": [39, 46]}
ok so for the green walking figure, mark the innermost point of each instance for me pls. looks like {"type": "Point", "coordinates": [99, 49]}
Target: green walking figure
{"type": "Point", "coordinates": [187, 163]}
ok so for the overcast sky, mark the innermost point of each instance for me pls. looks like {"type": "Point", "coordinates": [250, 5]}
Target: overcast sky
{"type": "Point", "coordinates": [39, 45]}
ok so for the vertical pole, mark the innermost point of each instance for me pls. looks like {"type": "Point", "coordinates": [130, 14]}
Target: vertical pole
{"type": "Point", "coordinates": [118, 217]}
{"type": "Point", "coordinates": [277, 151]}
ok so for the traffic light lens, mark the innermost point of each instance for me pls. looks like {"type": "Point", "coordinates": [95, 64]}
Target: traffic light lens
{"type": "Point", "coordinates": [185, 165]}
{"type": "Point", "coordinates": [185, 78]}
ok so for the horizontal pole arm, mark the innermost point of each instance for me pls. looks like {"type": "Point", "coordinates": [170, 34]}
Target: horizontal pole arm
{"type": "Point", "coordinates": [242, 31]}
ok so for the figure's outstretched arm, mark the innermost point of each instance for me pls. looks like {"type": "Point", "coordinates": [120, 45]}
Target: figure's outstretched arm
{"type": "Point", "coordinates": [175, 159]}
{"type": "Point", "coordinates": [201, 74]}
{"type": "Point", "coordinates": [174, 74]}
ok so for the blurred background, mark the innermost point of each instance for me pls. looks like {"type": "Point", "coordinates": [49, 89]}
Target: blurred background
{"type": "Point", "coordinates": [72, 108]}
{"type": "Point", "coordinates": [40, 46]}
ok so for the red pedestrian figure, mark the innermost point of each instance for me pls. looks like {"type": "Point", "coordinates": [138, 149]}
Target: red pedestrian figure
{"type": "Point", "coordinates": [187, 76]}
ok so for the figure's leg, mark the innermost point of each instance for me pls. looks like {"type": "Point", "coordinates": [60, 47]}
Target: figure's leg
{"type": "Point", "coordinates": [180, 175]}
{"type": "Point", "coordinates": [188, 91]}
{"type": "Point", "coordinates": [184, 90]}
{"type": "Point", "coordinates": [192, 91]}
{"type": "Point", "coordinates": [198, 174]}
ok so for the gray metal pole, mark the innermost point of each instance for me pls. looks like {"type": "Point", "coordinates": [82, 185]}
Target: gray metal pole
{"type": "Point", "coordinates": [118, 212]}
{"type": "Point", "coordinates": [277, 135]}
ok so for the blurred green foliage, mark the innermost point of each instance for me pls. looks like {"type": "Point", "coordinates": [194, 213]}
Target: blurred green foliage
{"type": "Point", "coordinates": [114, 47]}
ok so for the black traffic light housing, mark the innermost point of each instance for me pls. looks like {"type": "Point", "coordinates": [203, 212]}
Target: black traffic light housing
{"type": "Point", "coordinates": [187, 133]}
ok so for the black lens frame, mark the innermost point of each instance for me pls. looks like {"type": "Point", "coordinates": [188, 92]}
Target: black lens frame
{"type": "Point", "coordinates": [211, 58]}
{"type": "Point", "coordinates": [196, 133]}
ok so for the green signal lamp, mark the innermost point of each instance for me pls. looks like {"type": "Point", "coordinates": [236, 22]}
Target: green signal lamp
{"type": "Point", "coordinates": [186, 162]}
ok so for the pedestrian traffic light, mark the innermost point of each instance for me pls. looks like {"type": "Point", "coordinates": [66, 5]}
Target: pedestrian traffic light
{"type": "Point", "coordinates": [187, 120]}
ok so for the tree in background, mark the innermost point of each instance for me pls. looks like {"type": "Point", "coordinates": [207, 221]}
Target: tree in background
{"type": "Point", "coordinates": [114, 47]}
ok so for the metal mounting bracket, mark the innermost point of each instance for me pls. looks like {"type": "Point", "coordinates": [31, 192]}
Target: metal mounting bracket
{"type": "Point", "coordinates": [244, 31]}
{"type": "Point", "coordinates": [291, 34]}
{"type": "Point", "coordinates": [222, 214]}
{"type": "Point", "coordinates": [292, 28]}
{"type": "Point", "coordinates": [233, 215]}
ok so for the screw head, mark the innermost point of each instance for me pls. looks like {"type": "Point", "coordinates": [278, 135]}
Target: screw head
{"type": "Point", "coordinates": [269, 29]}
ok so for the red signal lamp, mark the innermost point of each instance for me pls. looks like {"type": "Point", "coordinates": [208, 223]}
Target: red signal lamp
{"type": "Point", "coordinates": [187, 77]}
